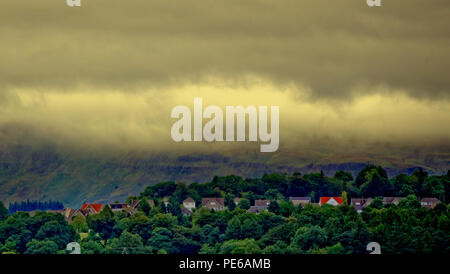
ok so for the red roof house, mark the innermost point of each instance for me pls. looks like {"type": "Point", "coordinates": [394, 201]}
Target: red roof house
{"type": "Point", "coordinates": [334, 201]}
{"type": "Point", "coordinates": [88, 209]}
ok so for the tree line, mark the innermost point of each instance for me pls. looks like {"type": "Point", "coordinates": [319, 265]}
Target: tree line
{"type": "Point", "coordinates": [35, 205]}
{"type": "Point", "coordinates": [283, 229]}
{"type": "Point", "coordinates": [371, 181]}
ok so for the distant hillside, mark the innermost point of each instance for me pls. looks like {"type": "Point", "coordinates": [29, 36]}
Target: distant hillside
{"type": "Point", "coordinates": [44, 174]}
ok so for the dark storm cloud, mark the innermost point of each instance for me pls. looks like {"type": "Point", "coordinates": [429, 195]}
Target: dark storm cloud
{"type": "Point", "coordinates": [336, 49]}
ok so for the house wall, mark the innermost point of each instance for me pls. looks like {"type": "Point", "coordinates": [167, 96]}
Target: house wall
{"type": "Point", "coordinates": [189, 205]}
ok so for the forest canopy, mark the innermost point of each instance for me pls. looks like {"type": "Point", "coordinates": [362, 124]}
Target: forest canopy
{"type": "Point", "coordinates": [406, 227]}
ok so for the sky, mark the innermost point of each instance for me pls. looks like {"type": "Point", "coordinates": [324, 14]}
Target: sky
{"type": "Point", "coordinates": [105, 76]}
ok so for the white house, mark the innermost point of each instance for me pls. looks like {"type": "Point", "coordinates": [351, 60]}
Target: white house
{"type": "Point", "coordinates": [189, 203]}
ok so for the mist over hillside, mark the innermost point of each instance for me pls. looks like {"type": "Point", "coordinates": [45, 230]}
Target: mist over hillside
{"type": "Point", "coordinates": [74, 178]}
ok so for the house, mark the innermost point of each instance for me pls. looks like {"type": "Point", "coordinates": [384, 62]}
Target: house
{"type": "Point", "coordinates": [262, 205]}
{"type": "Point", "coordinates": [189, 203]}
{"type": "Point", "coordinates": [185, 211]}
{"type": "Point", "coordinates": [165, 201]}
{"type": "Point", "coordinates": [236, 200]}
{"type": "Point", "coordinates": [213, 203]}
{"type": "Point", "coordinates": [360, 203]}
{"type": "Point", "coordinates": [392, 200]}
{"type": "Point", "coordinates": [254, 209]}
{"type": "Point", "coordinates": [334, 201]}
{"type": "Point", "coordinates": [300, 200]}
{"type": "Point", "coordinates": [151, 202]}
{"type": "Point", "coordinates": [70, 213]}
{"type": "Point", "coordinates": [89, 209]}
{"type": "Point", "coordinates": [118, 207]}
{"type": "Point", "coordinates": [134, 206]}
{"type": "Point", "coordinates": [429, 202]}
{"type": "Point", "coordinates": [187, 206]}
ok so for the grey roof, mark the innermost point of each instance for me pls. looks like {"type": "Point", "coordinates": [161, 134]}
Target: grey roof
{"type": "Point", "coordinates": [185, 211]}
{"type": "Point", "coordinates": [430, 200]}
{"type": "Point", "coordinates": [262, 203]}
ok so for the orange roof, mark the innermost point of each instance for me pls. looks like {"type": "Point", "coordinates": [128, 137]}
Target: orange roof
{"type": "Point", "coordinates": [324, 200]}
{"type": "Point", "coordinates": [96, 207]}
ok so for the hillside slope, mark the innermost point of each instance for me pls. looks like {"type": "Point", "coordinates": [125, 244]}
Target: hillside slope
{"type": "Point", "coordinates": [41, 174]}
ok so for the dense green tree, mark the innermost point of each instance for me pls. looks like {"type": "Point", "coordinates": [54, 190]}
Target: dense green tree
{"type": "Point", "coordinates": [185, 242]}
{"type": "Point", "coordinates": [127, 243]}
{"type": "Point", "coordinates": [433, 187]}
{"type": "Point", "coordinates": [274, 207]}
{"type": "Point", "coordinates": [79, 224]}
{"type": "Point", "coordinates": [362, 176]}
{"type": "Point", "coordinates": [405, 185]}
{"type": "Point", "coordinates": [41, 247]}
{"type": "Point", "coordinates": [209, 249]}
{"type": "Point", "coordinates": [244, 204]}
{"type": "Point", "coordinates": [278, 248]}
{"type": "Point", "coordinates": [26, 206]}
{"type": "Point", "coordinates": [245, 246]}
{"type": "Point", "coordinates": [144, 206]}
{"type": "Point", "coordinates": [229, 201]}
{"type": "Point", "coordinates": [281, 233]}
{"type": "Point", "coordinates": [211, 235]}
{"type": "Point", "coordinates": [163, 220]}
{"type": "Point", "coordinates": [160, 190]}
{"type": "Point", "coordinates": [103, 223]}
{"type": "Point", "coordinates": [11, 244]}
{"type": "Point", "coordinates": [375, 184]}
{"type": "Point", "coordinates": [138, 224]}
{"type": "Point", "coordinates": [421, 176]}
{"type": "Point", "coordinates": [57, 232]}
{"type": "Point", "coordinates": [249, 196]}
{"type": "Point", "coordinates": [91, 247]}
{"type": "Point", "coordinates": [298, 186]}
{"type": "Point", "coordinates": [334, 249]}
{"type": "Point", "coordinates": [3, 211]}
{"type": "Point", "coordinates": [161, 239]}
{"type": "Point", "coordinates": [273, 194]}
{"type": "Point", "coordinates": [344, 176]}
{"type": "Point", "coordinates": [244, 226]}
{"type": "Point", "coordinates": [345, 200]}
{"type": "Point", "coordinates": [376, 203]}
{"type": "Point", "coordinates": [410, 201]}
{"type": "Point", "coordinates": [404, 228]}
{"type": "Point", "coordinates": [174, 207]}
{"type": "Point", "coordinates": [286, 208]}
{"type": "Point", "coordinates": [309, 237]}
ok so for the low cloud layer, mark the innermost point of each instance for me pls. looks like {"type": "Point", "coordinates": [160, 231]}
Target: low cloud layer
{"type": "Point", "coordinates": [105, 76]}
{"type": "Point", "coordinates": [328, 46]}
{"type": "Point", "coordinates": [114, 121]}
